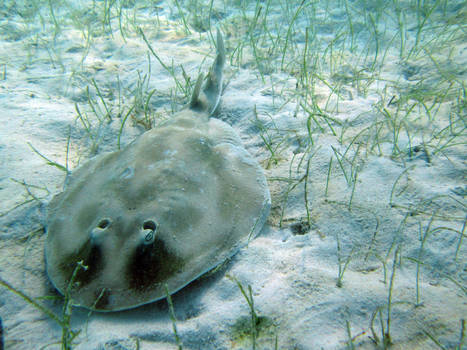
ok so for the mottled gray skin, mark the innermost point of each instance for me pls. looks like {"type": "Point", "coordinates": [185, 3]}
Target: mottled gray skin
{"type": "Point", "coordinates": [173, 204]}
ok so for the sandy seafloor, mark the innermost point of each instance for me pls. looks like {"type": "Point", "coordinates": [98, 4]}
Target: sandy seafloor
{"type": "Point", "coordinates": [378, 87]}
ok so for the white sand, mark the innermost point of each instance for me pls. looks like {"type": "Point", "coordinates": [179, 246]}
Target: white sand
{"type": "Point", "coordinates": [292, 270]}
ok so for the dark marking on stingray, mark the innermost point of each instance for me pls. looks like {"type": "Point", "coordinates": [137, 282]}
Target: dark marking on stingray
{"type": "Point", "coordinates": [91, 255]}
{"type": "Point", "coordinates": [151, 264]}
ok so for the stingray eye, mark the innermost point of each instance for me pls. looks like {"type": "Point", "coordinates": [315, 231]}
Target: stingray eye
{"type": "Point", "coordinates": [99, 232]}
{"type": "Point", "coordinates": [149, 231]}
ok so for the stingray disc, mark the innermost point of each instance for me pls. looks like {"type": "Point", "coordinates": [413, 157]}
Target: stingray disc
{"type": "Point", "coordinates": [172, 205]}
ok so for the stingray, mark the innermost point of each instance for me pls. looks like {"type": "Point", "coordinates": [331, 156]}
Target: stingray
{"type": "Point", "coordinates": [152, 217]}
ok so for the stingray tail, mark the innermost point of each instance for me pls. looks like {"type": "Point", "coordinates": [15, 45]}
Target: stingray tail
{"type": "Point", "coordinates": [206, 97]}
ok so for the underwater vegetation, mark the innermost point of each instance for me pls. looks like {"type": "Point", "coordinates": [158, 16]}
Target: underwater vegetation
{"type": "Point", "coordinates": [356, 109]}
